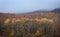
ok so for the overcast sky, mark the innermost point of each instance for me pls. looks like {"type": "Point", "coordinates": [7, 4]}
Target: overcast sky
{"type": "Point", "coordinates": [22, 6]}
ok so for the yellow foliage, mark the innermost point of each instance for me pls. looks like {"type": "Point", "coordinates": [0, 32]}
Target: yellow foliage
{"type": "Point", "coordinates": [51, 21]}
{"type": "Point", "coordinates": [44, 19]}
{"type": "Point", "coordinates": [28, 19]}
{"type": "Point", "coordinates": [38, 32]}
{"type": "Point", "coordinates": [6, 21]}
{"type": "Point", "coordinates": [36, 19]}
{"type": "Point", "coordinates": [47, 20]}
{"type": "Point", "coordinates": [13, 20]}
{"type": "Point", "coordinates": [17, 20]}
{"type": "Point", "coordinates": [11, 34]}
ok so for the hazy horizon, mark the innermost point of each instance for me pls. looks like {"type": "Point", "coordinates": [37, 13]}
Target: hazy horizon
{"type": "Point", "coordinates": [23, 6]}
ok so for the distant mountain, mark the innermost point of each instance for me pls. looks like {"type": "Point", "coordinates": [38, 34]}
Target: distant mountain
{"type": "Point", "coordinates": [37, 12]}
{"type": "Point", "coordinates": [29, 14]}
{"type": "Point", "coordinates": [57, 10]}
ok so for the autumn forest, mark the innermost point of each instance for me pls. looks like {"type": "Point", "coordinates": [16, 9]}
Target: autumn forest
{"type": "Point", "coordinates": [43, 24]}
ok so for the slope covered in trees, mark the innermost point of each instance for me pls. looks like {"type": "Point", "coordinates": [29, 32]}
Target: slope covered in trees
{"type": "Point", "coordinates": [38, 24]}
